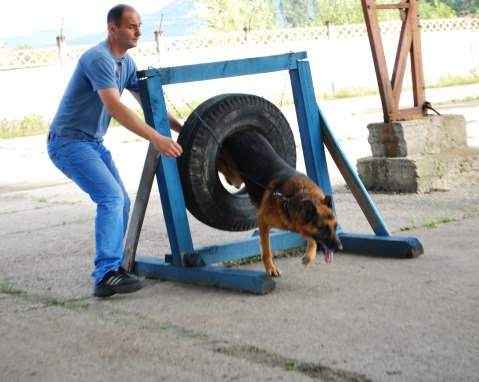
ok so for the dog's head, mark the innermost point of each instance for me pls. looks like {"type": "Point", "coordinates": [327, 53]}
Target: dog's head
{"type": "Point", "coordinates": [315, 219]}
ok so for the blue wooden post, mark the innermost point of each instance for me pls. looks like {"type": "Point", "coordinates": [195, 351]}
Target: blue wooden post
{"type": "Point", "coordinates": [167, 175]}
{"type": "Point", "coordinates": [309, 126]}
{"type": "Point", "coordinates": [188, 264]}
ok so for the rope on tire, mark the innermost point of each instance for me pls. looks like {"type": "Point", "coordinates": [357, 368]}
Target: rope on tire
{"type": "Point", "coordinates": [273, 128]}
{"type": "Point", "coordinates": [203, 123]}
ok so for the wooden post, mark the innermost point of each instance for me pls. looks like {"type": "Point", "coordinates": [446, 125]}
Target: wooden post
{"type": "Point", "coordinates": [61, 42]}
{"type": "Point", "coordinates": [158, 37]}
{"type": "Point", "coordinates": [409, 45]}
{"type": "Point", "coordinates": [139, 209]}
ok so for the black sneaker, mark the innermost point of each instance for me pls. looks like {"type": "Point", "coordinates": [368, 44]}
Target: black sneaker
{"type": "Point", "coordinates": [118, 281]}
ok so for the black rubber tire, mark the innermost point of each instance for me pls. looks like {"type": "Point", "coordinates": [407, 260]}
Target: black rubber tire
{"type": "Point", "coordinates": [201, 136]}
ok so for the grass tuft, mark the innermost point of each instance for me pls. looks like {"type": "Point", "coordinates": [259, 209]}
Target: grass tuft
{"type": "Point", "coordinates": [8, 289]}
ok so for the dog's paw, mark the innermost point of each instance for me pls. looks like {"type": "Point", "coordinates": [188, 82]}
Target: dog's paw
{"type": "Point", "coordinates": [306, 260]}
{"type": "Point", "coordinates": [275, 272]}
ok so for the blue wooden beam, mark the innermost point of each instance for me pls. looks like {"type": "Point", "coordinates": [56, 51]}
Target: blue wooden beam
{"type": "Point", "coordinates": [224, 69]}
{"type": "Point", "coordinates": [229, 278]}
{"type": "Point", "coordinates": [241, 249]}
{"type": "Point", "coordinates": [381, 246]}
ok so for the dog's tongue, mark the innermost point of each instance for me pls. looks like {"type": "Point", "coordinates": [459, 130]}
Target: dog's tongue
{"type": "Point", "coordinates": [328, 256]}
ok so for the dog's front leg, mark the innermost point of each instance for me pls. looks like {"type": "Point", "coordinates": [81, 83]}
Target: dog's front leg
{"type": "Point", "coordinates": [267, 254]}
{"type": "Point", "coordinates": [310, 252]}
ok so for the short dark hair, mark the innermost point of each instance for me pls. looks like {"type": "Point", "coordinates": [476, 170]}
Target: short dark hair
{"type": "Point", "coordinates": [116, 14]}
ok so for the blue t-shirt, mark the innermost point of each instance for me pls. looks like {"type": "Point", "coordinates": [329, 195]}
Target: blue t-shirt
{"type": "Point", "coordinates": [81, 113]}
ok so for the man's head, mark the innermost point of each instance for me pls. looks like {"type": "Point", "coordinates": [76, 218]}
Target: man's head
{"type": "Point", "coordinates": [124, 28]}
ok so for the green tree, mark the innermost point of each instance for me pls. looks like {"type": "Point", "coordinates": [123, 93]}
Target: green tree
{"type": "Point", "coordinates": [461, 7]}
{"type": "Point", "coordinates": [302, 13]}
{"type": "Point", "coordinates": [234, 15]}
{"type": "Point", "coordinates": [435, 9]}
{"type": "Point", "coordinates": [24, 45]}
{"type": "Point", "coordinates": [341, 12]}
{"type": "Point", "coordinates": [296, 13]}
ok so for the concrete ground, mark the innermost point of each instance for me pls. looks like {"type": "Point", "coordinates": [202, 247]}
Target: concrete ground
{"type": "Point", "coordinates": [361, 318]}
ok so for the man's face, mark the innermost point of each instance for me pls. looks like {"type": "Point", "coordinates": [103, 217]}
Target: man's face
{"type": "Point", "coordinates": [129, 32]}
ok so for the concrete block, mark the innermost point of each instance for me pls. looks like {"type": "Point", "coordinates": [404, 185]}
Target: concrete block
{"type": "Point", "coordinates": [429, 135]}
{"type": "Point", "coordinates": [421, 173]}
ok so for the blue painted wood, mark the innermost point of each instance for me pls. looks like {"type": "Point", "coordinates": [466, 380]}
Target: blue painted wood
{"type": "Point", "coordinates": [224, 69]}
{"type": "Point", "coordinates": [167, 176]}
{"type": "Point", "coordinates": [315, 133]}
{"type": "Point", "coordinates": [241, 249]}
{"type": "Point", "coordinates": [229, 278]}
{"type": "Point", "coordinates": [385, 246]}
{"type": "Point", "coordinates": [309, 127]}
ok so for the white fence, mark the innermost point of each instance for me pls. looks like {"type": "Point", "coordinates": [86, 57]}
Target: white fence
{"type": "Point", "coordinates": [340, 58]}
{"type": "Point", "coordinates": [12, 59]}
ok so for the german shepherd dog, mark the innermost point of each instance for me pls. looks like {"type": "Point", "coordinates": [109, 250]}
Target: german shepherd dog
{"type": "Point", "coordinates": [283, 197]}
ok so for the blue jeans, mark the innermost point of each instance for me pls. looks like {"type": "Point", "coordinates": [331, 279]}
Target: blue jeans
{"type": "Point", "coordinates": [91, 166]}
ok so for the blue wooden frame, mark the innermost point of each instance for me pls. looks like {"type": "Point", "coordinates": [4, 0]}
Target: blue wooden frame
{"type": "Point", "coordinates": [195, 265]}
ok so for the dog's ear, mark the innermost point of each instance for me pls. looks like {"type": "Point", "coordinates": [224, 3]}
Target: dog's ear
{"type": "Point", "coordinates": [328, 200]}
{"type": "Point", "coordinates": [309, 209]}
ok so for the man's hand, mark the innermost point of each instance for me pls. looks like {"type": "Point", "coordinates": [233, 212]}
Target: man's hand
{"type": "Point", "coordinates": [167, 146]}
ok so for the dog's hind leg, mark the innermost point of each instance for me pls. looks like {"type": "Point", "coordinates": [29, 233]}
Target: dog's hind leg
{"type": "Point", "coordinates": [267, 254]}
{"type": "Point", "coordinates": [310, 253]}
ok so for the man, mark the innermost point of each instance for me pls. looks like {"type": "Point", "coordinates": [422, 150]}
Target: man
{"type": "Point", "coordinates": [75, 142]}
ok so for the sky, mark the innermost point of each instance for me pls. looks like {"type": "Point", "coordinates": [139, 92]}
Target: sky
{"type": "Point", "coordinates": [86, 16]}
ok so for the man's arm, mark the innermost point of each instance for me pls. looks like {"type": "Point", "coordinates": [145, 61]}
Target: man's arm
{"type": "Point", "coordinates": [175, 125]}
{"type": "Point", "coordinates": [126, 117]}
